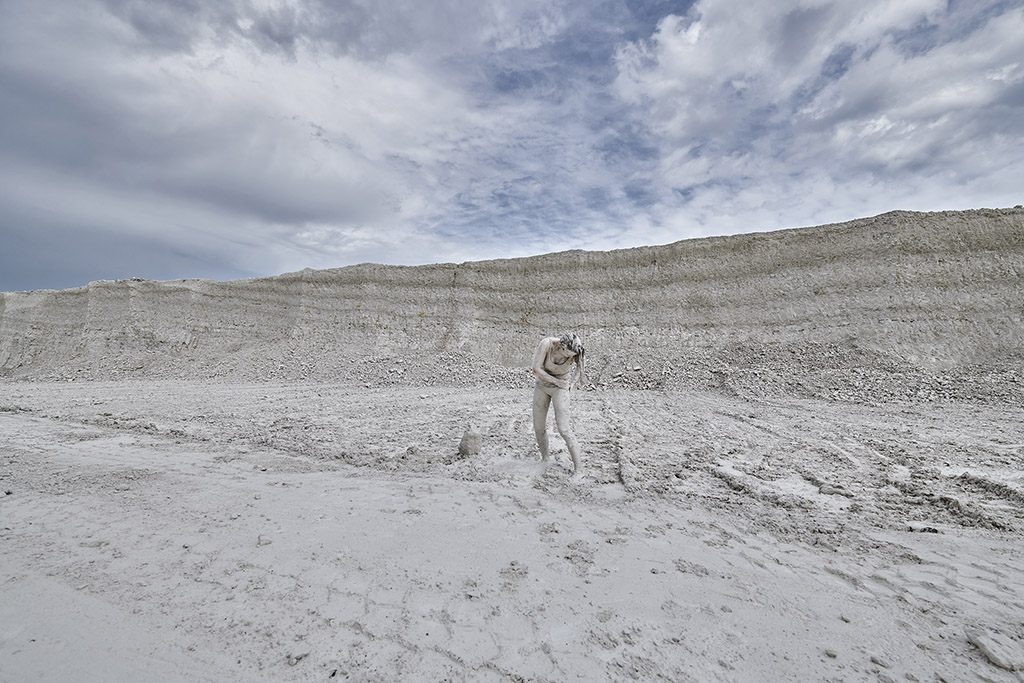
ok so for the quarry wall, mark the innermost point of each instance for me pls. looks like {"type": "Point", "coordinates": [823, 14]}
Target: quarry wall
{"type": "Point", "coordinates": [929, 288]}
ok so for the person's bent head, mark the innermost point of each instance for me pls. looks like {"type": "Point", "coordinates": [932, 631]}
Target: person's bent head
{"type": "Point", "coordinates": [571, 342]}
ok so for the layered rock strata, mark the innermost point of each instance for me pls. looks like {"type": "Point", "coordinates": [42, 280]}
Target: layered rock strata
{"type": "Point", "coordinates": [930, 289]}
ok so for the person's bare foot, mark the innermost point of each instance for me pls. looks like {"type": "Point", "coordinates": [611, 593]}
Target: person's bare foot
{"type": "Point", "coordinates": [542, 467]}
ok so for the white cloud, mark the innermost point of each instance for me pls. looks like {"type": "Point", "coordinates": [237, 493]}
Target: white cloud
{"type": "Point", "coordinates": [728, 59]}
{"type": "Point", "coordinates": [516, 28]}
{"type": "Point", "coordinates": [274, 135]}
{"type": "Point", "coordinates": [811, 111]}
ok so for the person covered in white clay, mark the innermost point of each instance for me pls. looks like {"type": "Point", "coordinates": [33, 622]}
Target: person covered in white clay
{"type": "Point", "coordinates": [558, 364]}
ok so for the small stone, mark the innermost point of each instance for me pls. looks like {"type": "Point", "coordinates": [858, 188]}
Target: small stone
{"type": "Point", "coordinates": [827, 490]}
{"type": "Point", "coordinates": [1002, 651]}
{"type": "Point", "coordinates": [880, 662]}
{"type": "Point", "coordinates": [471, 441]}
{"type": "Point", "coordinates": [831, 654]}
{"type": "Point", "coordinates": [295, 659]}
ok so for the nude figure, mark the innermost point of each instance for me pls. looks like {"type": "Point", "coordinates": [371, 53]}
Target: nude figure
{"type": "Point", "coordinates": [558, 364]}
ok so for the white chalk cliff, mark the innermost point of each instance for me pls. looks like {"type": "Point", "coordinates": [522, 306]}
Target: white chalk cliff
{"type": "Point", "coordinates": [931, 289]}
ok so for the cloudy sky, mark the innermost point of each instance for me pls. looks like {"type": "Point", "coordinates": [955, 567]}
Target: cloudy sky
{"type": "Point", "coordinates": [236, 138]}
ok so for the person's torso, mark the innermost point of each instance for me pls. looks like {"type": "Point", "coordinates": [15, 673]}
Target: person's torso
{"type": "Point", "coordinates": [559, 370]}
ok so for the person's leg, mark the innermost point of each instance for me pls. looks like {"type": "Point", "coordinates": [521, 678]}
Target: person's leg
{"type": "Point", "coordinates": [563, 420]}
{"type": "Point", "coordinates": [541, 401]}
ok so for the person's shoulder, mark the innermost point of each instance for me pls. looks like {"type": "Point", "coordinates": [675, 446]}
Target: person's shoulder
{"type": "Point", "coordinates": [545, 346]}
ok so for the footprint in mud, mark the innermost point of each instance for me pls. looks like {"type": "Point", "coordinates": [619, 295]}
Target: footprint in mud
{"type": "Point", "coordinates": [511, 575]}
{"type": "Point", "coordinates": [580, 555]}
{"type": "Point", "coordinates": [548, 531]}
{"type": "Point", "coordinates": [551, 476]}
{"type": "Point", "coordinates": [694, 568]}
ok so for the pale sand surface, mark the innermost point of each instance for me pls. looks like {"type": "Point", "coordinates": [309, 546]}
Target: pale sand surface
{"type": "Point", "coordinates": [804, 454]}
{"type": "Point", "coordinates": [190, 531]}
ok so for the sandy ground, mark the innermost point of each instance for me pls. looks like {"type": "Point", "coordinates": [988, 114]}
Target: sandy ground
{"type": "Point", "coordinates": [181, 531]}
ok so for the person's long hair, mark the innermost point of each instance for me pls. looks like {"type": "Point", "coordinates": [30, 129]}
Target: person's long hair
{"type": "Point", "coordinates": [571, 341]}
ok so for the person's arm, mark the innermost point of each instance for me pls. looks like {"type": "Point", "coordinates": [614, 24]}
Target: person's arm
{"type": "Point", "coordinates": [538, 363]}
